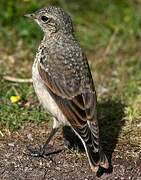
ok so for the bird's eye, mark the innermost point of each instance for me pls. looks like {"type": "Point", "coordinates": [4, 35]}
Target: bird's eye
{"type": "Point", "coordinates": [44, 18]}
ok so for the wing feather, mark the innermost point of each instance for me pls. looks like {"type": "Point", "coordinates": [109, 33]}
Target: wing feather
{"type": "Point", "coordinates": [82, 105]}
{"type": "Point", "coordinates": [79, 108]}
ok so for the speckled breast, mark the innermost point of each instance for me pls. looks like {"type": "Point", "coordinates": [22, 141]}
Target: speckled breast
{"type": "Point", "coordinates": [43, 95]}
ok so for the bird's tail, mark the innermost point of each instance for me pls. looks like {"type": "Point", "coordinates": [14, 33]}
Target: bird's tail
{"type": "Point", "coordinates": [89, 136]}
{"type": "Point", "coordinates": [96, 159]}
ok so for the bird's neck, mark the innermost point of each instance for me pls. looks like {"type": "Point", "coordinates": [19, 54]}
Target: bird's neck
{"type": "Point", "coordinates": [56, 37]}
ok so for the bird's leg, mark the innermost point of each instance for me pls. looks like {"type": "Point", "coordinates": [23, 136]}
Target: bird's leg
{"type": "Point", "coordinates": [41, 152]}
{"type": "Point", "coordinates": [54, 130]}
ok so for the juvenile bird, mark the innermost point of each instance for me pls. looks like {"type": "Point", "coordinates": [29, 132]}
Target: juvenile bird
{"type": "Point", "coordinates": [64, 84]}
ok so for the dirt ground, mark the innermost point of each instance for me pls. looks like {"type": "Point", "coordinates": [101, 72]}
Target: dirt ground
{"type": "Point", "coordinates": [16, 164]}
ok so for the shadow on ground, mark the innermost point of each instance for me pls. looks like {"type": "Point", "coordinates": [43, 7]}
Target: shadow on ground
{"type": "Point", "coordinates": [111, 121]}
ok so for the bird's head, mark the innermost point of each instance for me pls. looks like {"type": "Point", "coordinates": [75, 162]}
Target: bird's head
{"type": "Point", "coordinates": [52, 20]}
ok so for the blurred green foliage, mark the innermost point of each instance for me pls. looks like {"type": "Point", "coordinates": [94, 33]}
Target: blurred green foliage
{"type": "Point", "coordinates": [110, 33]}
{"type": "Point", "coordinates": [99, 18]}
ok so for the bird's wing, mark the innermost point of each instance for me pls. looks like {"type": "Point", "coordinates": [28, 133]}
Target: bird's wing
{"type": "Point", "coordinates": [77, 103]}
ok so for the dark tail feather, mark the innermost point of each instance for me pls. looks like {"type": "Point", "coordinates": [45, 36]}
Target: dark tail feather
{"type": "Point", "coordinates": [96, 158]}
{"type": "Point", "coordinates": [103, 160]}
{"type": "Point", "coordinates": [90, 138]}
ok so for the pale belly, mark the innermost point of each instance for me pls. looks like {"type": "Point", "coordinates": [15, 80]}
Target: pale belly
{"type": "Point", "coordinates": [45, 98]}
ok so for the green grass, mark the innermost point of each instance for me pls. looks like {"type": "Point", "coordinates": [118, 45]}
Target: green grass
{"type": "Point", "coordinates": [27, 110]}
{"type": "Point", "coordinates": [109, 32]}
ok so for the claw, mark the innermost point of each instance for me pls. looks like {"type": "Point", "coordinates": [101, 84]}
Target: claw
{"type": "Point", "coordinates": [35, 152]}
{"type": "Point", "coordinates": [40, 152]}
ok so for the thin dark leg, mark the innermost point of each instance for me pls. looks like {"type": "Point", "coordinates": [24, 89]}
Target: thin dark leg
{"type": "Point", "coordinates": [40, 152]}
{"type": "Point", "coordinates": [53, 131]}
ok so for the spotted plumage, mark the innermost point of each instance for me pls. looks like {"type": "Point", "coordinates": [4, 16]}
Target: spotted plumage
{"type": "Point", "coordinates": [63, 82]}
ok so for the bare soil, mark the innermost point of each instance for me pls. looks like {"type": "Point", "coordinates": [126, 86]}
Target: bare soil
{"type": "Point", "coordinates": [17, 164]}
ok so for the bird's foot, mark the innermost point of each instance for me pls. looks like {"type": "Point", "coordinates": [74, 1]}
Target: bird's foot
{"type": "Point", "coordinates": [36, 152]}
{"type": "Point", "coordinates": [40, 152]}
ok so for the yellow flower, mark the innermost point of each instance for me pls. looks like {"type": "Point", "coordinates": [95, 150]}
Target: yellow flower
{"type": "Point", "coordinates": [14, 99]}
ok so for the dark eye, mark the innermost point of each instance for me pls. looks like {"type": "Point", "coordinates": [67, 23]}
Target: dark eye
{"type": "Point", "coordinates": [44, 18]}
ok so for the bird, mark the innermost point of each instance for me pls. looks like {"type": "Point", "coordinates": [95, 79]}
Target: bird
{"type": "Point", "coordinates": [64, 85]}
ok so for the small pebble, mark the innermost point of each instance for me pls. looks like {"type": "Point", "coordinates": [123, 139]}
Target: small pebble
{"type": "Point", "coordinates": [41, 163]}
{"type": "Point", "coordinates": [139, 125]}
{"type": "Point", "coordinates": [29, 136]}
{"type": "Point", "coordinates": [58, 168]}
{"type": "Point", "coordinates": [11, 144]}
{"type": "Point", "coordinates": [122, 178]}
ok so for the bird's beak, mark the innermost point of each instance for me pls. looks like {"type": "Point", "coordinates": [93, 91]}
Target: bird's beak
{"type": "Point", "coordinates": [30, 16]}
